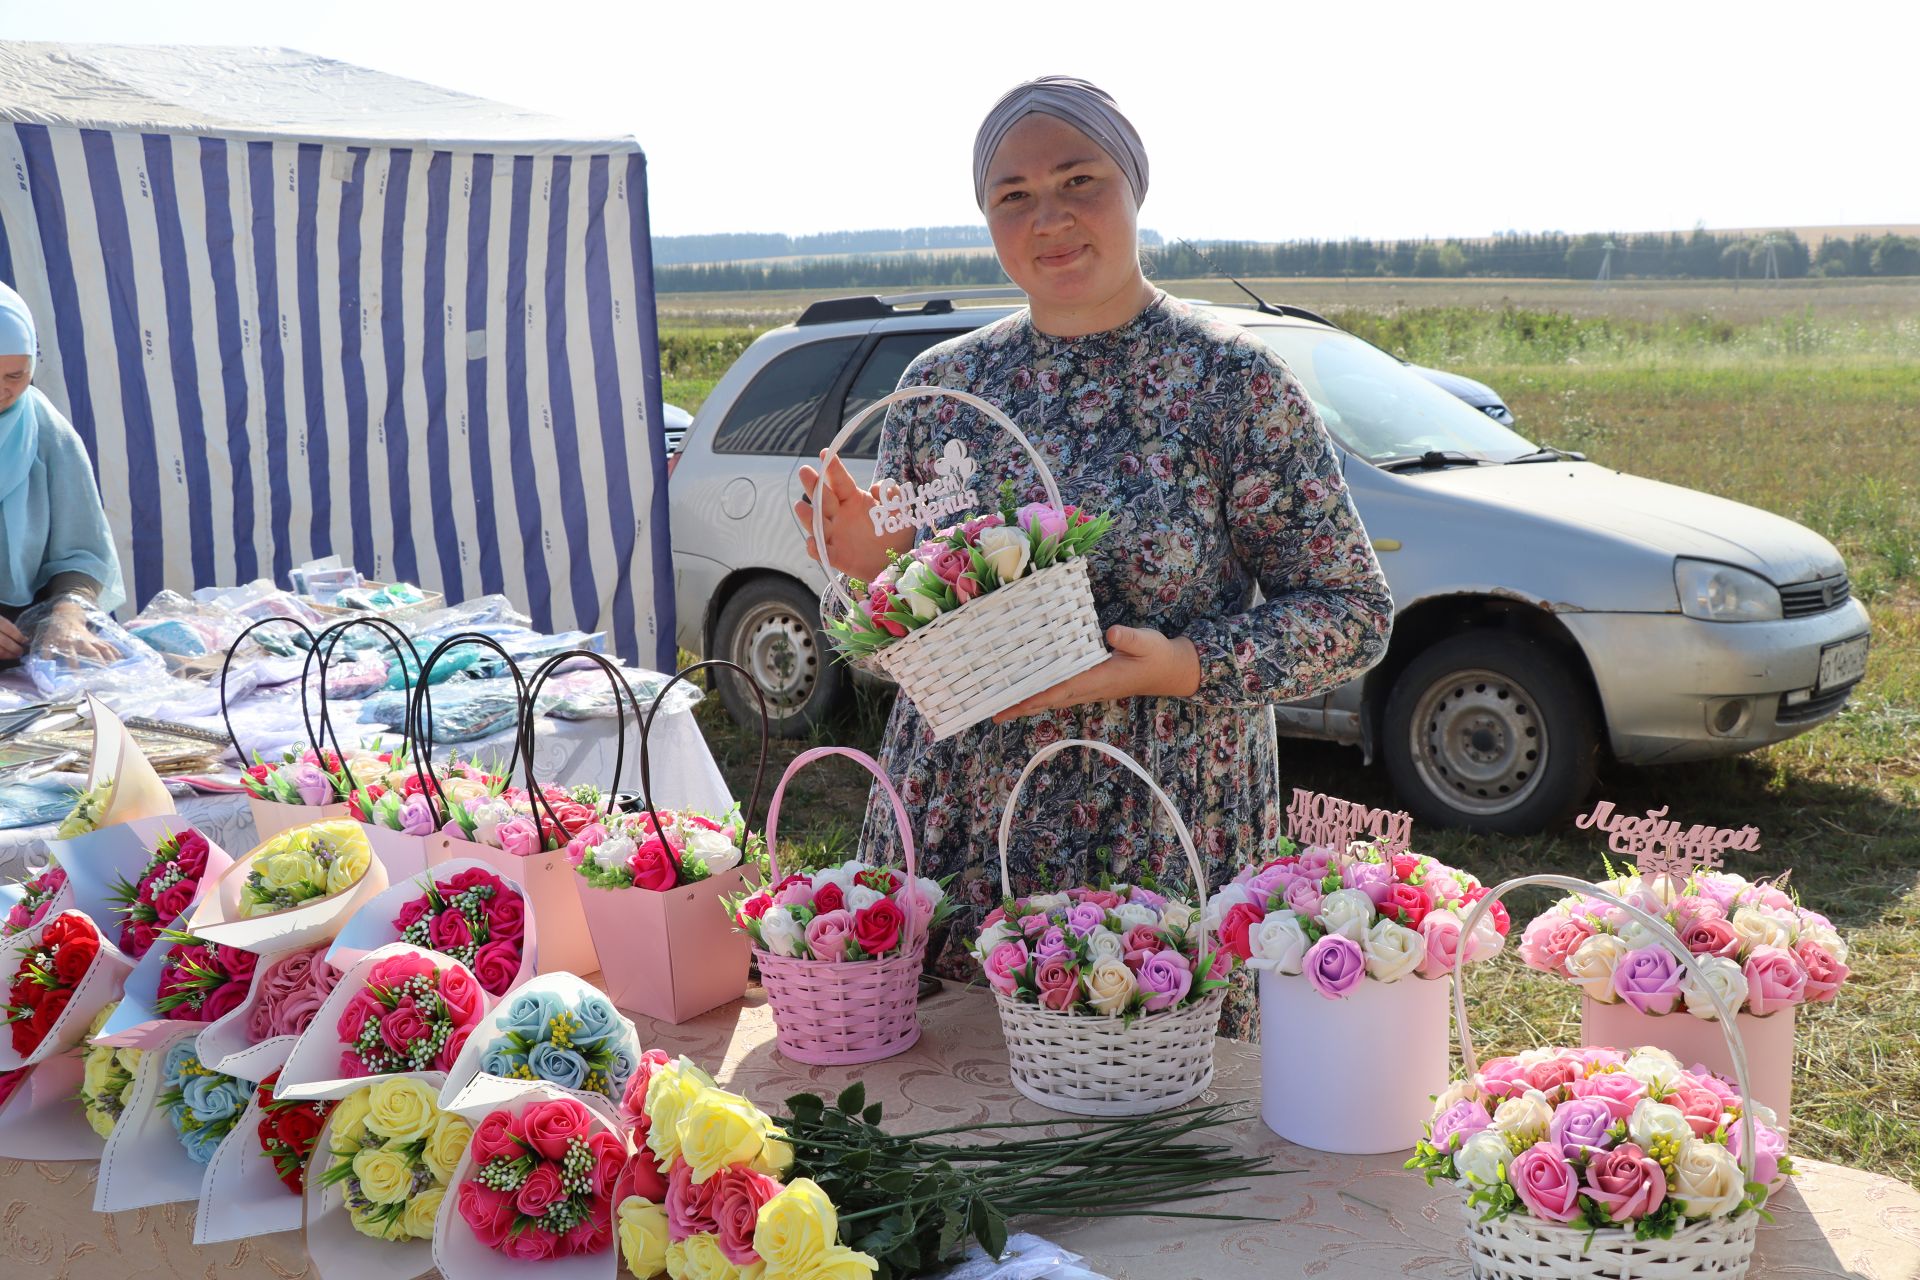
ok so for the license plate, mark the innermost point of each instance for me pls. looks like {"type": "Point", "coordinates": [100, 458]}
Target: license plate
{"type": "Point", "coordinates": [1842, 663]}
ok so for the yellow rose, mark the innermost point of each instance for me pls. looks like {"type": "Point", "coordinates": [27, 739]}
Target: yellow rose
{"type": "Point", "coordinates": [836, 1262]}
{"type": "Point", "coordinates": [99, 1121]}
{"type": "Point", "coordinates": [100, 1020]}
{"type": "Point", "coordinates": [421, 1211]}
{"type": "Point", "coordinates": [382, 1228]}
{"type": "Point", "coordinates": [402, 1110]}
{"type": "Point", "coordinates": [795, 1228]}
{"type": "Point", "coordinates": [775, 1158]}
{"type": "Point", "coordinates": [451, 1134]}
{"type": "Point", "coordinates": [350, 1118]}
{"type": "Point", "coordinates": [128, 1059]}
{"type": "Point", "coordinates": [643, 1237]}
{"type": "Point", "coordinates": [698, 1257]}
{"type": "Point", "coordinates": [466, 791]}
{"type": "Point", "coordinates": [719, 1130]}
{"type": "Point", "coordinates": [97, 1072]}
{"type": "Point", "coordinates": [348, 866]}
{"type": "Point", "coordinates": [291, 869]}
{"type": "Point", "coordinates": [669, 1093]}
{"type": "Point", "coordinates": [385, 1175]}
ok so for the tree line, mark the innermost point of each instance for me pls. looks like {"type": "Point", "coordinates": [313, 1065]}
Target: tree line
{"type": "Point", "coordinates": [1698, 254]}
{"type": "Point", "coordinates": [740, 246]}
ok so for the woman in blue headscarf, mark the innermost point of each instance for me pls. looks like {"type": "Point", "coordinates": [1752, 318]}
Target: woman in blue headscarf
{"type": "Point", "coordinates": [55, 548]}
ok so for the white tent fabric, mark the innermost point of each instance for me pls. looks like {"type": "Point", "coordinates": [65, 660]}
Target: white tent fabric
{"type": "Point", "coordinates": [297, 308]}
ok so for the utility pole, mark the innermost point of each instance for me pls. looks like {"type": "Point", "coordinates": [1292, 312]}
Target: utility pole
{"type": "Point", "coordinates": [1606, 265]}
{"type": "Point", "coordinates": [1773, 262]}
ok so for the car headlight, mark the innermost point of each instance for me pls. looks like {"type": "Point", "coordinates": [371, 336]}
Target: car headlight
{"type": "Point", "coordinates": [1721, 593]}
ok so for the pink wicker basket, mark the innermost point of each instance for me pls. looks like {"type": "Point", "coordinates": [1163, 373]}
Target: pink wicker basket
{"type": "Point", "coordinates": [849, 1011]}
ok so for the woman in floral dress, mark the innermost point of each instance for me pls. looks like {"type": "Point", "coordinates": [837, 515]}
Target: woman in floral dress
{"type": "Point", "coordinates": [1220, 479]}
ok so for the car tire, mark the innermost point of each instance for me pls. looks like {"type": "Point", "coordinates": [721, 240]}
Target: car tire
{"type": "Point", "coordinates": [1492, 732]}
{"type": "Point", "coordinates": [771, 626]}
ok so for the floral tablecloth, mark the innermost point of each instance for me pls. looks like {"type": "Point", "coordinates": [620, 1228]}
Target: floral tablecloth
{"type": "Point", "coordinates": [1336, 1216]}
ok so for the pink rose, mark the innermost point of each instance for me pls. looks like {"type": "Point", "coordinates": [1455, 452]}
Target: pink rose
{"type": "Point", "coordinates": [496, 965]}
{"type": "Point", "coordinates": [539, 1191]}
{"type": "Point", "coordinates": [1771, 1146]}
{"type": "Point", "coordinates": [550, 1124]}
{"type": "Point", "coordinates": [295, 1013]}
{"type": "Point", "coordinates": [690, 1207]}
{"type": "Point", "coordinates": [1502, 1078]}
{"type": "Point", "coordinates": [828, 935]}
{"type": "Point", "coordinates": [394, 971]}
{"type": "Point", "coordinates": [495, 1137]}
{"type": "Point", "coordinates": [224, 1001]}
{"type": "Point", "coordinates": [463, 997]}
{"type": "Point", "coordinates": [1546, 1183]}
{"type": "Point", "coordinates": [1550, 939]}
{"type": "Point", "coordinates": [507, 916]}
{"type": "Point", "coordinates": [353, 1019]}
{"type": "Point", "coordinates": [609, 1159]}
{"type": "Point", "coordinates": [949, 563]}
{"type": "Point", "coordinates": [1824, 973]}
{"type": "Point", "coordinates": [1004, 966]}
{"type": "Point", "coordinates": [1710, 936]}
{"type": "Point", "coordinates": [1701, 1106]}
{"type": "Point", "coordinates": [411, 914]}
{"type": "Point", "coordinates": [518, 836]}
{"type": "Point", "coordinates": [1626, 1182]}
{"type": "Point", "coordinates": [404, 1025]}
{"type": "Point", "coordinates": [735, 1207]}
{"type": "Point", "coordinates": [633, 1105]}
{"type": "Point", "coordinates": [1051, 521]}
{"type": "Point", "coordinates": [1550, 1073]}
{"type": "Point", "coordinates": [535, 1244]}
{"type": "Point", "coordinates": [1617, 1089]}
{"type": "Point", "coordinates": [1142, 937]}
{"type": "Point", "coordinates": [1440, 930]}
{"type": "Point", "coordinates": [1059, 983]}
{"type": "Point", "coordinates": [1775, 979]}
{"type": "Point", "coordinates": [488, 1213]}
{"type": "Point", "coordinates": [449, 931]}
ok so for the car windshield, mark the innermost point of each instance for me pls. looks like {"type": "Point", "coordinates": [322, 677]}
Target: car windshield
{"type": "Point", "coordinates": [1380, 409]}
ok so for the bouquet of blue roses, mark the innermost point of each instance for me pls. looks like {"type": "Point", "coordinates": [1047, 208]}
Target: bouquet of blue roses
{"type": "Point", "coordinates": [203, 1104]}
{"type": "Point", "coordinates": [559, 1029]}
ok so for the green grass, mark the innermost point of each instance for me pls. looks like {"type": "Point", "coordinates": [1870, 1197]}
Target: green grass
{"type": "Point", "coordinates": [1800, 401]}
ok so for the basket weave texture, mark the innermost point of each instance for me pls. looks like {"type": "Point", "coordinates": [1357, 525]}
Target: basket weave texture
{"type": "Point", "coordinates": [1103, 1066]}
{"type": "Point", "coordinates": [850, 1011]}
{"type": "Point", "coordinates": [1522, 1247]}
{"type": "Point", "coordinates": [1000, 648]}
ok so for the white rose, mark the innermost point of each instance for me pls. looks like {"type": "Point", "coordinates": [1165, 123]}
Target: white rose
{"type": "Point", "coordinates": [859, 897]}
{"type": "Point", "coordinates": [1827, 939]}
{"type": "Point", "coordinates": [1651, 1120]}
{"type": "Point", "coordinates": [1706, 1180]}
{"type": "Point", "coordinates": [1482, 1160]}
{"type": "Point", "coordinates": [993, 935]}
{"type": "Point", "coordinates": [1655, 1068]}
{"type": "Point", "coordinates": [614, 851]}
{"type": "Point", "coordinates": [1347, 912]}
{"type": "Point", "coordinates": [1763, 1114]}
{"type": "Point", "coordinates": [1526, 1115]}
{"type": "Point", "coordinates": [1110, 987]}
{"type": "Point", "coordinates": [720, 853]}
{"type": "Point", "coordinates": [1757, 928]}
{"type": "Point", "coordinates": [1787, 919]}
{"type": "Point", "coordinates": [915, 579]}
{"type": "Point", "coordinates": [1179, 916]}
{"type": "Point", "coordinates": [1277, 942]}
{"type": "Point", "coordinates": [782, 934]}
{"type": "Point", "coordinates": [1131, 914]}
{"type": "Point", "coordinates": [1723, 976]}
{"type": "Point", "coordinates": [1458, 1091]}
{"type": "Point", "coordinates": [1592, 964]}
{"type": "Point", "coordinates": [836, 876]}
{"type": "Point", "coordinates": [1220, 903]}
{"type": "Point", "coordinates": [929, 890]}
{"type": "Point", "coordinates": [1635, 936]}
{"type": "Point", "coordinates": [1104, 944]}
{"type": "Point", "coordinates": [1045, 902]}
{"type": "Point", "coordinates": [487, 817]}
{"type": "Point", "coordinates": [1485, 942]}
{"type": "Point", "coordinates": [1392, 951]}
{"type": "Point", "coordinates": [1006, 550]}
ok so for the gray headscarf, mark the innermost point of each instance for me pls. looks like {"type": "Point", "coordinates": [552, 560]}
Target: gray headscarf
{"type": "Point", "coordinates": [1084, 106]}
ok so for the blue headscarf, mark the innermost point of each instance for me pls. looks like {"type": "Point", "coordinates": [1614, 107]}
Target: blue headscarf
{"type": "Point", "coordinates": [51, 520]}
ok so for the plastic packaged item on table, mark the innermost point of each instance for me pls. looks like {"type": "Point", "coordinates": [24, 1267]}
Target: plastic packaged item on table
{"type": "Point", "coordinates": [176, 625]}
{"type": "Point", "coordinates": [259, 599]}
{"type": "Point", "coordinates": [583, 695]}
{"type": "Point", "coordinates": [474, 709]}
{"type": "Point", "coordinates": [99, 656]}
{"type": "Point", "coordinates": [477, 614]}
{"type": "Point", "coordinates": [28, 804]}
{"type": "Point", "coordinates": [1027, 1257]}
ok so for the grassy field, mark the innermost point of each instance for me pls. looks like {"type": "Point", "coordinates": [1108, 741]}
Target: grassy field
{"type": "Point", "coordinates": [1801, 398]}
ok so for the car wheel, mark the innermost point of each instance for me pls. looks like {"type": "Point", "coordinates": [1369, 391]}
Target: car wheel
{"type": "Point", "coordinates": [771, 627]}
{"type": "Point", "coordinates": [1491, 732]}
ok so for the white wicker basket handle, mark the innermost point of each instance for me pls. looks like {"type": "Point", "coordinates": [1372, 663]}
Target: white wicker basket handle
{"type": "Point", "coordinates": [835, 587]}
{"type": "Point", "coordinates": [1055, 748]}
{"type": "Point", "coordinates": [1666, 937]}
{"type": "Point", "coordinates": [915, 926]}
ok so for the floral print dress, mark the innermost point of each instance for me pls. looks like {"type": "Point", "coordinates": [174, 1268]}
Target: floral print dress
{"type": "Point", "coordinates": [1220, 478]}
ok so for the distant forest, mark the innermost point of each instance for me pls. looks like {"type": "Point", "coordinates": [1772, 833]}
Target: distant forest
{"type": "Point", "coordinates": [1698, 254]}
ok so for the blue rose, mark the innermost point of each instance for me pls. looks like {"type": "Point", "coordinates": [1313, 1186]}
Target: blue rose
{"type": "Point", "coordinates": [598, 1021]}
{"type": "Point", "coordinates": [211, 1099]}
{"type": "Point", "coordinates": [181, 1056]}
{"type": "Point", "coordinates": [529, 1012]}
{"type": "Point", "coordinates": [502, 1059]}
{"type": "Point", "coordinates": [620, 1064]}
{"type": "Point", "coordinates": [200, 1144]}
{"type": "Point", "coordinates": [563, 1067]}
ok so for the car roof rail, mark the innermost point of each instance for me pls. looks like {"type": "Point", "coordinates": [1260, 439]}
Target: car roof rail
{"type": "Point", "coordinates": [930, 302]}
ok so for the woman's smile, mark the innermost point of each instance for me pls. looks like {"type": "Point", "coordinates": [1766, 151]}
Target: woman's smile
{"type": "Point", "coordinates": [1062, 257]}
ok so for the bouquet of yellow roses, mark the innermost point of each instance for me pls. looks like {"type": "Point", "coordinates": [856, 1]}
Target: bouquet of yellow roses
{"type": "Point", "coordinates": [387, 1156]}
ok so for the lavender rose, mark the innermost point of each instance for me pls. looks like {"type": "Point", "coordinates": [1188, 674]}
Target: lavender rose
{"type": "Point", "coordinates": [1452, 1127]}
{"type": "Point", "coordinates": [1648, 979]}
{"type": "Point", "coordinates": [1581, 1124]}
{"type": "Point", "coordinates": [1335, 966]}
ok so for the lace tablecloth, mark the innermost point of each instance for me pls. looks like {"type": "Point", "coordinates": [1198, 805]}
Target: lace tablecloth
{"type": "Point", "coordinates": [1337, 1216]}
{"type": "Point", "coordinates": [566, 753]}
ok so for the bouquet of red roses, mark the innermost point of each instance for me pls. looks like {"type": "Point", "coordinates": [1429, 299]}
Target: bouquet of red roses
{"type": "Point", "coordinates": [411, 1015]}
{"type": "Point", "coordinates": [48, 972]}
{"type": "Point", "coordinates": [541, 1179]}
{"type": "Point", "coordinates": [162, 892]}
{"type": "Point", "coordinates": [203, 981]}
{"type": "Point", "coordinates": [288, 1132]}
{"type": "Point", "coordinates": [36, 900]}
{"type": "Point", "coordinates": [474, 916]}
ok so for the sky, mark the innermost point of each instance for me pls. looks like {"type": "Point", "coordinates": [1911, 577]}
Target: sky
{"type": "Point", "coordinates": [1270, 121]}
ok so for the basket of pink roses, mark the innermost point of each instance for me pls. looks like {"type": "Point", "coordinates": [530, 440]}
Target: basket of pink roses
{"type": "Point", "coordinates": [1110, 998]}
{"type": "Point", "coordinates": [983, 614]}
{"type": "Point", "coordinates": [1596, 1163]}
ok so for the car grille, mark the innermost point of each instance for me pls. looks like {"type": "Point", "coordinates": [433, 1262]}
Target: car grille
{"type": "Point", "coordinates": [1804, 599]}
{"type": "Point", "coordinates": [1818, 707]}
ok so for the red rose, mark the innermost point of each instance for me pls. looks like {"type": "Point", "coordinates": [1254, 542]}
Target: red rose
{"type": "Point", "coordinates": [633, 1106]}
{"type": "Point", "coordinates": [1233, 929]}
{"type": "Point", "coordinates": [137, 937]}
{"type": "Point", "coordinates": [259, 772]}
{"type": "Point", "coordinates": [879, 879]}
{"type": "Point", "coordinates": [755, 907]}
{"type": "Point", "coordinates": [474, 878]}
{"type": "Point", "coordinates": [496, 965]}
{"type": "Point", "coordinates": [412, 914]}
{"type": "Point", "coordinates": [1406, 904]}
{"type": "Point", "coordinates": [298, 1127]}
{"type": "Point", "coordinates": [655, 866]}
{"type": "Point", "coordinates": [876, 929]}
{"type": "Point", "coordinates": [449, 931]}
{"type": "Point", "coordinates": [174, 900]}
{"type": "Point", "coordinates": [362, 802]}
{"type": "Point", "coordinates": [507, 916]}
{"type": "Point", "coordinates": [828, 897]}
{"type": "Point", "coordinates": [74, 958]}
{"type": "Point", "coordinates": [411, 785]}
{"type": "Point", "coordinates": [643, 1177]}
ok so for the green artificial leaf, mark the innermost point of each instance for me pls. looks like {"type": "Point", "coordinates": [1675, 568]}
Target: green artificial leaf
{"type": "Point", "coordinates": [806, 1107]}
{"type": "Point", "coordinates": [852, 1098]}
{"type": "Point", "coordinates": [872, 1114]}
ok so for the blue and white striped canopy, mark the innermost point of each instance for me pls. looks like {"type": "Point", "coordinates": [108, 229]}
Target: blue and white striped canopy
{"type": "Point", "coordinates": [435, 359]}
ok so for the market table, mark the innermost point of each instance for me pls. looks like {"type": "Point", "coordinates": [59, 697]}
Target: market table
{"type": "Point", "coordinates": [1336, 1216]}
{"type": "Point", "coordinates": [566, 753]}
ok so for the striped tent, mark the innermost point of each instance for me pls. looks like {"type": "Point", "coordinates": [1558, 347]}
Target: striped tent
{"type": "Point", "coordinates": [298, 308]}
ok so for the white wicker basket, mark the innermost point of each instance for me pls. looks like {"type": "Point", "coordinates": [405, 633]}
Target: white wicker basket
{"type": "Point", "coordinates": [1095, 1066]}
{"type": "Point", "coordinates": [998, 649]}
{"type": "Point", "coordinates": [1522, 1247]}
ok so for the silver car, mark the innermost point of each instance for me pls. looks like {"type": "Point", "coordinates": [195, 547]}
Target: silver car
{"type": "Point", "coordinates": [1546, 608]}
